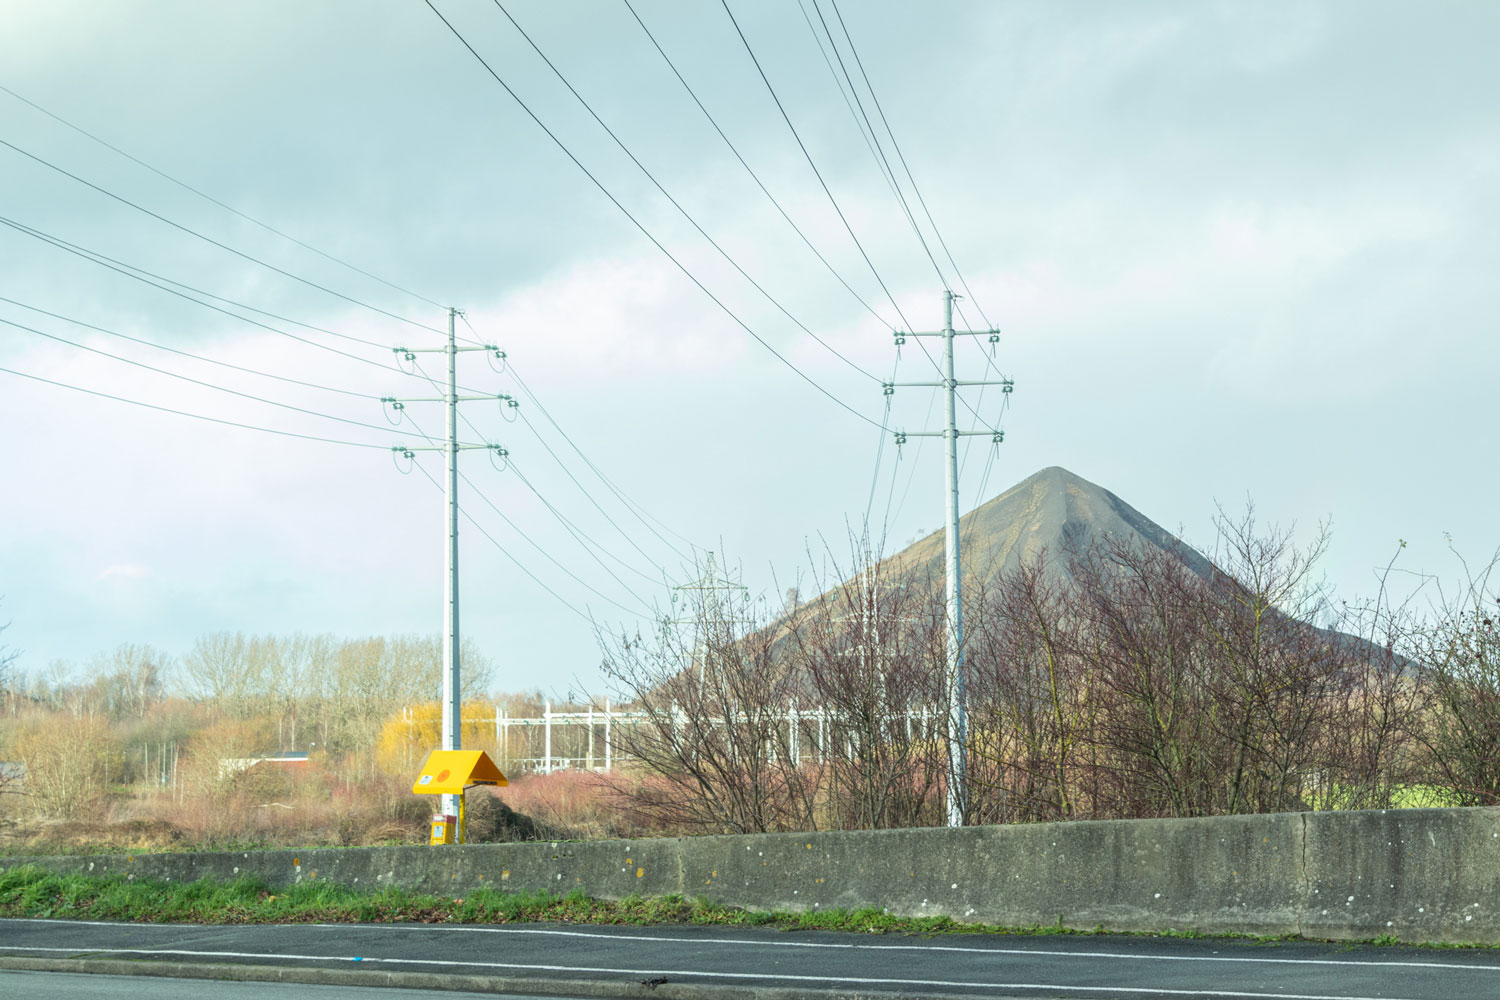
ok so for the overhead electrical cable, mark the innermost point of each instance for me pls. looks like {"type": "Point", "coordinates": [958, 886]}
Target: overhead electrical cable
{"type": "Point", "coordinates": [603, 513]}
{"type": "Point", "coordinates": [189, 354]}
{"type": "Point", "coordinates": [603, 478]}
{"type": "Point", "coordinates": [209, 239]}
{"type": "Point", "coordinates": [546, 554]}
{"type": "Point", "coordinates": [902, 158]}
{"type": "Point", "coordinates": [640, 513]}
{"type": "Point", "coordinates": [558, 514]}
{"type": "Point", "coordinates": [675, 203]}
{"type": "Point", "coordinates": [911, 476]}
{"type": "Point", "coordinates": [83, 251]}
{"type": "Point", "coordinates": [188, 378]}
{"type": "Point", "coordinates": [864, 133]}
{"type": "Point", "coordinates": [880, 149]}
{"type": "Point", "coordinates": [479, 492]}
{"type": "Point", "coordinates": [195, 416]}
{"type": "Point", "coordinates": [818, 173]}
{"type": "Point", "coordinates": [577, 537]}
{"type": "Point", "coordinates": [984, 479]}
{"type": "Point", "coordinates": [879, 453]}
{"type": "Point", "coordinates": [922, 201]}
{"type": "Point", "coordinates": [644, 231]}
{"type": "Point", "coordinates": [210, 198]}
{"type": "Point", "coordinates": [650, 522]}
{"type": "Point", "coordinates": [829, 192]}
{"type": "Point", "coordinates": [506, 552]}
{"type": "Point", "coordinates": [129, 271]}
{"type": "Point", "coordinates": [753, 175]}
{"type": "Point", "coordinates": [102, 258]}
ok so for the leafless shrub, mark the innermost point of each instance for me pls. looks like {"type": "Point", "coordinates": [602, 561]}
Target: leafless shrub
{"type": "Point", "coordinates": [1459, 653]}
{"type": "Point", "coordinates": [715, 697]}
{"type": "Point", "coordinates": [870, 651]}
{"type": "Point", "coordinates": [67, 761]}
{"type": "Point", "coordinates": [1031, 697]}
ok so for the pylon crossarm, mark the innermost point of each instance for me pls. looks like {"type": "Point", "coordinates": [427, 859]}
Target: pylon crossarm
{"type": "Point", "coordinates": [956, 333]}
{"type": "Point", "coordinates": [944, 385]}
{"type": "Point", "coordinates": [410, 448]}
{"type": "Point", "coordinates": [444, 399]}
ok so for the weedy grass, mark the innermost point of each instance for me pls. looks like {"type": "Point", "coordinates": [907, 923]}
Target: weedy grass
{"type": "Point", "coordinates": [29, 891]}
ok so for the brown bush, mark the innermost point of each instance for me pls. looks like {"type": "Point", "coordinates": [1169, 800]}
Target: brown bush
{"type": "Point", "coordinates": [67, 762]}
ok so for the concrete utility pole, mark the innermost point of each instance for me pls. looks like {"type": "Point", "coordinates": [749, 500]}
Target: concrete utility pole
{"type": "Point", "coordinates": [452, 707]}
{"type": "Point", "coordinates": [452, 700]}
{"type": "Point", "coordinates": [958, 718]}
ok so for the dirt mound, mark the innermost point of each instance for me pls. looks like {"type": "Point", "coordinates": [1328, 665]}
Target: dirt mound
{"type": "Point", "coordinates": [491, 821]}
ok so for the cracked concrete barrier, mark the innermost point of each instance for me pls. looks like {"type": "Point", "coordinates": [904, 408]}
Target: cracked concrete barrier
{"type": "Point", "coordinates": [1419, 875]}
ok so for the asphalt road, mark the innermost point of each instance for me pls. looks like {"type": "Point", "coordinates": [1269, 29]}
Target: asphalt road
{"type": "Point", "coordinates": [1139, 968]}
{"type": "Point", "coordinates": [76, 986]}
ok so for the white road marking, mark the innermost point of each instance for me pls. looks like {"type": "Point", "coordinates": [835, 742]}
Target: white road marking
{"type": "Point", "coordinates": [654, 971]}
{"type": "Point", "coordinates": [764, 943]}
{"type": "Point", "coordinates": [1050, 953]}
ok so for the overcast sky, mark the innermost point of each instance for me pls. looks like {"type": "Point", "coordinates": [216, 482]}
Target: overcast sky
{"type": "Point", "coordinates": [1236, 249]}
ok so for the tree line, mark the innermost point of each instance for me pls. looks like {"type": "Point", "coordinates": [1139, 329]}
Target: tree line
{"type": "Point", "coordinates": [1113, 679]}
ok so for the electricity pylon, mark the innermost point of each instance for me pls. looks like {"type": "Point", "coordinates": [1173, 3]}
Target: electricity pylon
{"type": "Point", "coordinates": [958, 722]}
{"type": "Point", "coordinates": [452, 708]}
{"type": "Point", "coordinates": [709, 612]}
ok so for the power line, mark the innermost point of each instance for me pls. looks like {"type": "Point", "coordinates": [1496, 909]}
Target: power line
{"type": "Point", "coordinates": [129, 271]}
{"type": "Point", "coordinates": [911, 476]}
{"type": "Point", "coordinates": [567, 523]}
{"type": "Point", "coordinates": [879, 453]}
{"type": "Point", "coordinates": [210, 198]}
{"type": "Point", "coordinates": [188, 378]}
{"type": "Point", "coordinates": [879, 150]}
{"type": "Point", "coordinates": [902, 158]}
{"type": "Point", "coordinates": [578, 537]}
{"type": "Point", "coordinates": [634, 221]}
{"type": "Point", "coordinates": [77, 249]}
{"type": "Point", "coordinates": [209, 239]}
{"type": "Point", "coordinates": [478, 491]}
{"type": "Point", "coordinates": [195, 416]}
{"type": "Point", "coordinates": [864, 133]}
{"type": "Point", "coordinates": [675, 204]}
{"type": "Point", "coordinates": [635, 508]}
{"type": "Point", "coordinates": [547, 555]}
{"type": "Point", "coordinates": [818, 173]}
{"type": "Point", "coordinates": [603, 513]}
{"type": "Point", "coordinates": [189, 354]}
{"type": "Point", "coordinates": [828, 191]}
{"type": "Point", "coordinates": [754, 176]}
{"type": "Point", "coordinates": [506, 552]}
{"type": "Point", "coordinates": [640, 513]}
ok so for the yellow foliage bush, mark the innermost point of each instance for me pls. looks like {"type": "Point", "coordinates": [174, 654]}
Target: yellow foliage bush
{"type": "Point", "coordinates": [67, 761]}
{"type": "Point", "coordinates": [407, 737]}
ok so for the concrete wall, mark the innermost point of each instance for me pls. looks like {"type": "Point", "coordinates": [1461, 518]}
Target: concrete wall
{"type": "Point", "coordinates": [1420, 874]}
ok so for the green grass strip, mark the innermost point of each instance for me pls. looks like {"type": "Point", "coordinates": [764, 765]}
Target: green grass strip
{"type": "Point", "coordinates": [34, 892]}
{"type": "Point", "coordinates": [30, 891]}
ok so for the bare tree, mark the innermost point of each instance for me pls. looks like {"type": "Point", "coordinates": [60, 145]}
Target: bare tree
{"type": "Point", "coordinates": [1459, 653]}
{"type": "Point", "coordinates": [222, 669]}
{"type": "Point", "coordinates": [129, 680]}
{"type": "Point", "coordinates": [1032, 698]}
{"type": "Point", "coordinates": [871, 651]}
{"type": "Point", "coordinates": [7, 666]}
{"type": "Point", "coordinates": [716, 738]}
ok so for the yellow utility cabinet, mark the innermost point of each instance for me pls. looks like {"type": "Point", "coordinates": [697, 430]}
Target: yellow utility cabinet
{"type": "Point", "coordinates": [450, 772]}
